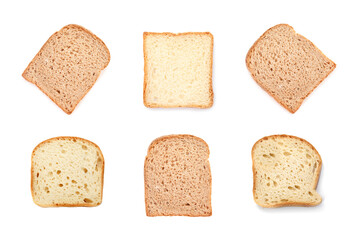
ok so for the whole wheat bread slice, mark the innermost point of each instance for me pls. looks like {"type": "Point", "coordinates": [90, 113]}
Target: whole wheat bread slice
{"type": "Point", "coordinates": [286, 170]}
{"type": "Point", "coordinates": [178, 177]}
{"type": "Point", "coordinates": [68, 65]}
{"type": "Point", "coordinates": [67, 172]}
{"type": "Point", "coordinates": [178, 70]}
{"type": "Point", "coordinates": [287, 65]}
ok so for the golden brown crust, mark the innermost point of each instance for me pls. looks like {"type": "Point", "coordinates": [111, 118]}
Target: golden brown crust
{"type": "Point", "coordinates": [286, 204]}
{"type": "Point", "coordinates": [33, 173]}
{"type": "Point", "coordinates": [268, 90]}
{"type": "Point", "coordinates": [154, 142]}
{"type": "Point", "coordinates": [37, 55]}
{"type": "Point", "coordinates": [149, 105]}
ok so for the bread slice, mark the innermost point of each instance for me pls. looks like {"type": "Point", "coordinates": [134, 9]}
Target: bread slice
{"type": "Point", "coordinates": [287, 65]}
{"type": "Point", "coordinates": [68, 65]}
{"type": "Point", "coordinates": [67, 172]}
{"type": "Point", "coordinates": [178, 177]}
{"type": "Point", "coordinates": [178, 70]}
{"type": "Point", "coordinates": [285, 172]}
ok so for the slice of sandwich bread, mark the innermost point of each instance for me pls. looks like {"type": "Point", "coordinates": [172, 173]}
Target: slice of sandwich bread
{"type": "Point", "coordinates": [68, 65]}
{"type": "Point", "coordinates": [287, 65]}
{"type": "Point", "coordinates": [285, 172]}
{"type": "Point", "coordinates": [178, 70]}
{"type": "Point", "coordinates": [178, 177]}
{"type": "Point", "coordinates": [67, 172]}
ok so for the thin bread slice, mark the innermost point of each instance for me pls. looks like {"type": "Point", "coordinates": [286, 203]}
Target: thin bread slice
{"type": "Point", "coordinates": [67, 172]}
{"type": "Point", "coordinates": [287, 65]}
{"type": "Point", "coordinates": [286, 170]}
{"type": "Point", "coordinates": [178, 70]}
{"type": "Point", "coordinates": [68, 65]}
{"type": "Point", "coordinates": [178, 177]}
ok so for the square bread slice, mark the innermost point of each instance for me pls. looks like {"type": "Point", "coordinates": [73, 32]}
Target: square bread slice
{"type": "Point", "coordinates": [286, 170]}
{"type": "Point", "coordinates": [178, 177]}
{"type": "Point", "coordinates": [287, 65]}
{"type": "Point", "coordinates": [178, 70]}
{"type": "Point", "coordinates": [67, 172]}
{"type": "Point", "coordinates": [68, 65]}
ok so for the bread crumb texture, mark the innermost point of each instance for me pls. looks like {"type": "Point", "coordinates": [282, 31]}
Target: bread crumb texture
{"type": "Point", "coordinates": [287, 65]}
{"type": "Point", "coordinates": [178, 177]}
{"type": "Point", "coordinates": [67, 171]}
{"type": "Point", "coordinates": [68, 65]}
{"type": "Point", "coordinates": [285, 172]}
{"type": "Point", "coordinates": [178, 70]}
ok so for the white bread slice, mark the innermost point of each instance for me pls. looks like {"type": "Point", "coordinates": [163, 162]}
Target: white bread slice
{"type": "Point", "coordinates": [178, 70]}
{"type": "Point", "coordinates": [178, 177]}
{"type": "Point", "coordinates": [67, 172]}
{"type": "Point", "coordinates": [285, 172]}
{"type": "Point", "coordinates": [68, 65]}
{"type": "Point", "coordinates": [287, 65]}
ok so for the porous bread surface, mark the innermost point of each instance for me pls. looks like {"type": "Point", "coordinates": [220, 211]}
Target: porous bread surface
{"type": "Point", "coordinates": [178, 70]}
{"type": "Point", "coordinates": [287, 65]}
{"type": "Point", "coordinates": [68, 65]}
{"type": "Point", "coordinates": [285, 172]}
{"type": "Point", "coordinates": [67, 171]}
{"type": "Point", "coordinates": [178, 177]}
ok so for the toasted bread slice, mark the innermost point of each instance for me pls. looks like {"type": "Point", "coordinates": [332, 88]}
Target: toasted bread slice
{"type": "Point", "coordinates": [178, 177]}
{"type": "Point", "coordinates": [67, 172]}
{"type": "Point", "coordinates": [287, 65]}
{"type": "Point", "coordinates": [68, 65]}
{"type": "Point", "coordinates": [285, 172]}
{"type": "Point", "coordinates": [178, 70]}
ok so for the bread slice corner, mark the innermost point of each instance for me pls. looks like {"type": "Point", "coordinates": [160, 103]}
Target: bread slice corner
{"type": "Point", "coordinates": [286, 171]}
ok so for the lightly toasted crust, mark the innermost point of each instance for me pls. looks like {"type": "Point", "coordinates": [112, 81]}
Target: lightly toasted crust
{"type": "Point", "coordinates": [43, 46]}
{"type": "Point", "coordinates": [66, 205]}
{"type": "Point", "coordinates": [268, 90]}
{"type": "Point", "coordinates": [149, 105]}
{"type": "Point", "coordinates": [154, 142]}
{"type": "Point", "coordinates": [286, 204]}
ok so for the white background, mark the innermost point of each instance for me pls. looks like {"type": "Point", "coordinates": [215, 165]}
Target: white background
{"type": "Point", "coordinates": [113, 116]}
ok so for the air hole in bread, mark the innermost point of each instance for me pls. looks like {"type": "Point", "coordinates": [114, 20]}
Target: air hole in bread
{"type": "Point", "coordinates": [58, 171]}
{"type": "Point", "coordinates": [87, 200]}
{"type": "Point", "coordinates": [84, 147]}
{"type": "Point", "coordinates": [85, 170]}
